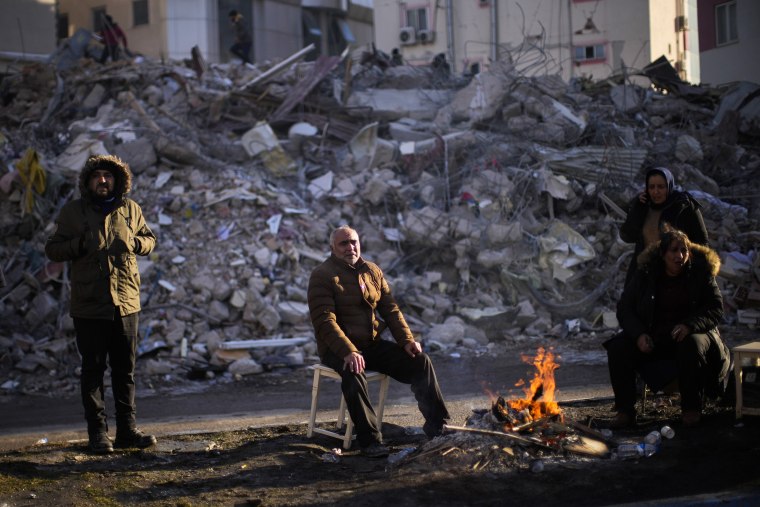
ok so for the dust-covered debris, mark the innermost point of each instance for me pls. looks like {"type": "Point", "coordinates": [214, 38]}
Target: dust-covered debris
{"type": "Point", "coordinates": [491, 201]}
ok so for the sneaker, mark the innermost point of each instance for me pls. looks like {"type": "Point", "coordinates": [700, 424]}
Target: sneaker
{"type": "Point", "coordinates": [100, 443]}
{"type": "Point", "coordinates": [133, 438]}
{"type": "Point", "coordinates": [375, 450]}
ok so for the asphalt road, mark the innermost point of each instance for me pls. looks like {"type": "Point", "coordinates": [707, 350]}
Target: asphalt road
{"type": "Point", "coordinates": [285, 397]}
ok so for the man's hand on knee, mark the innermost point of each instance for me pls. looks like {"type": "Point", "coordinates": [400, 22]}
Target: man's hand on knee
{"type": "Point", "coordinates": [413, 348]}
{"type": "Point", "coordinates": [354, 362]}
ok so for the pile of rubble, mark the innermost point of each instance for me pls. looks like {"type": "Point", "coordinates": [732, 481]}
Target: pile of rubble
{"type": "Point", "coordinates": [491, 201]}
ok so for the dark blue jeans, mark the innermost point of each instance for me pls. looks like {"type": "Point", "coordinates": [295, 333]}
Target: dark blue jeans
{"type": "Point", "coordinates": [102, 343]}
{"type": "Point", "coordinates": [387, 357]}
{"type": "Point", "coordinates": [242, 50]}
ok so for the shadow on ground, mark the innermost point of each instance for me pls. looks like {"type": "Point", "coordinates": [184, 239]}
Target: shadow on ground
{"type": "Point", "coordinates": [272, 466]}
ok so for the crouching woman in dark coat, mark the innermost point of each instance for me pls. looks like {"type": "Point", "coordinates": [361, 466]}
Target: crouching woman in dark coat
{"type": "Point", "coordinates": [669, 314]}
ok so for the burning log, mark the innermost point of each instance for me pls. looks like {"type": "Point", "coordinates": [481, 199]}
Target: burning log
{"type": "Point", "coordinates": [586, 429]}
{"type": "Point", "coordinates": [512, 436]}
{"type": "Point", "coordinates": [534, 424]}
{"type": "Point", "coordinates": [520, 413]}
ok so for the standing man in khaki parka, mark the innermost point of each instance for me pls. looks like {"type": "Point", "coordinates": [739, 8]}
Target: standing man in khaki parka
{"type": "Point", "coordinates": [101, 233]}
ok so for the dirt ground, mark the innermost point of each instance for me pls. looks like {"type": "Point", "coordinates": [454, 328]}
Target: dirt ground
{"type": "Point", "coordinates": [273, 466]}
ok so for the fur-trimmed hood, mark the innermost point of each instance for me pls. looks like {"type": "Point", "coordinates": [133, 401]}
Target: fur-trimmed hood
{"type": "Point", "coordinates": [119, 168]}
{"type": "Point", "coordinates": [700, 257]}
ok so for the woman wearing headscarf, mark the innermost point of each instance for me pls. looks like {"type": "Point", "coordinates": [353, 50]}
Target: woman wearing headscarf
{"type": "Point", "coordinates": [659, 204]}
{"type": "Point", "coordinates": [669, 315]}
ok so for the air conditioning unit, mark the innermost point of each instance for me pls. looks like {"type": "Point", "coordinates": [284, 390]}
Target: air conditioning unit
{"type": "Point", "coordinates": [407, 36]}
{"type": "Point", "coordinates": [426, 36]}
{"type": "Point", "coordinates": [681, 23]}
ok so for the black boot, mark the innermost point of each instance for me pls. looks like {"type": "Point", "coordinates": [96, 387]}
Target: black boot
{"type": "Point", "coordinates": [132, 437]}
{"type": "Point", "coordinates": [100, 443]}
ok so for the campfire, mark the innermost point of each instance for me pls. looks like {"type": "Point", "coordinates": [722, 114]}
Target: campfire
{"type": "Point", "coordinates": [528, 430]}
{"type": "Point", "coordinates": [516, 413]}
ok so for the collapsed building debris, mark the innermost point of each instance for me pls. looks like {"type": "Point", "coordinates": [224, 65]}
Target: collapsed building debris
{"type": "Point", "coordinates": [492, 202]}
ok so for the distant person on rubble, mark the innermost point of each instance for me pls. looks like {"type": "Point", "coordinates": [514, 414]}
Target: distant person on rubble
{"type": "Point", "coordinates": [242, 46]}
{"type": "Point", "coordinates": [669, 315]}
{"type": "Point", "coordinates": [440, 66]}
{"type": "Point", "coordinates": [348, 297]}
{"type": "Point", "coordinates": [396, 58]}
{"type": "Point", "coordinates": [657, 204]}
{"type": "Point", "coordinates": [112, 36]}
{"type": "Point", "coordinates": [101, 233]}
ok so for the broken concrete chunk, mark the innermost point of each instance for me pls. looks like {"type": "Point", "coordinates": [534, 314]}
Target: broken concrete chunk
{"type": "Point", "coordinates": [447, 334]}
{"type": "Point", "coordinates": [293, 312]}
{"type": "Point", "coordinates": [77, 153]}
{"type": "Point", "coordinates": [139, 154]}
{"type": "Point", "coordinates": [219, 310]}
{"type": "Point", "coordinates": [387, 104]}
{"type": "Point", "coordinates": [94, 98]}
{"type": "Point", "coordinates": [427, 222]}
{"type": "Point", "coordinates": [688, 149]}
{"type": "Point", "coordinates": [245, 366]}
{"type": "Point", "coordinates": [481, 98]}
{"type": "Point", "coordinates": [322, 185]}
{"type": "Point", "coordinates": [261, 141]}
{"type": "Point", "coordinates": [626, 97]}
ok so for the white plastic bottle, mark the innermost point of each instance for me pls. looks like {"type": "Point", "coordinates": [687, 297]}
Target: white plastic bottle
{"type": "Point", "coordinates": [667, 432]}
{"type": "Point", "coordinates": [629, 451]}
{"type": "Point", "coordinates": [653, 438]}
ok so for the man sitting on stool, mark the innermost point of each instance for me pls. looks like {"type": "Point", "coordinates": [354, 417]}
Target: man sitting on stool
{"type": "Point", "coordinates": [346, 294]}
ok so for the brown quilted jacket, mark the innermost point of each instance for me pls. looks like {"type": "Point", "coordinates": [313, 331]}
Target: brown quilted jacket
{"type": "Point", "coordinates": [347, 303]}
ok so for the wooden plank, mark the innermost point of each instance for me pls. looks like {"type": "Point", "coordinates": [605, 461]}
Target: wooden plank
{"type": "Point", "coordinates": [511, 436]}
{"type": "Point", "coordinates": [587, 446]}
{"type": "Point", "coordinates": [323, 66]}
{"type": "Point", "coordinates": [279, 67]}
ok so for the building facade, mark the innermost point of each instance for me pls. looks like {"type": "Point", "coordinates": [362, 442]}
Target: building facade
{"type": "Point", "coordinates": [171, 28]}
{"type": "Point", "coordinates": [27, 29]}
{"type": "Point", "coordinates": [573, 38]}
{"type": "Point", "coordinates": [729, 40]}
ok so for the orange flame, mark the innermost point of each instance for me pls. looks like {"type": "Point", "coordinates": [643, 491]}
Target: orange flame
{"type": "Point", "coordinates": [541, 386]}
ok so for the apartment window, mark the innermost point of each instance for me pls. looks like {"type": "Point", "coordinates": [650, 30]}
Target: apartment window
{"type": "Point", "coordinates": [98, 18]}
{"type": "Point", "coordinates": [417, 18]}
{"type": "Point", "coordinates": [140, 12]}
{"type": "Point", "coordinates": [725, 24]}
{"type": "Point", "coordinates": [339, 37]}
{"type": "Point", "coordinates": [343, 31]}
{"type": "Point", "coordinates": [62, 27]}
{"type": "Point", "coordinates": [589, 54]}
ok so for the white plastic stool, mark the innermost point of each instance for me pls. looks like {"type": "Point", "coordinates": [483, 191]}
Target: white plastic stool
{"type": "Point", "coordinates": [748, 351]}
{"type": "Point", "coordinates": [320, 371]}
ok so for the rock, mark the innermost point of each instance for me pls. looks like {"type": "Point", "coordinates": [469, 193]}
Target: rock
{"type": "Point", "coordinates": [219, 310]}
{"type": "Point", "coordinates": [245, 366]}
{"type": "Point", "coordinates": [293, 312]}
{"type": "Point", "coordinates": [139, 153]}
{"type": "Point", "coordinates": [447, 334]}
{"type": "Point", "coordinates": [94, 98]}
{"type": "Point", "coordinates": [688, 149]}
